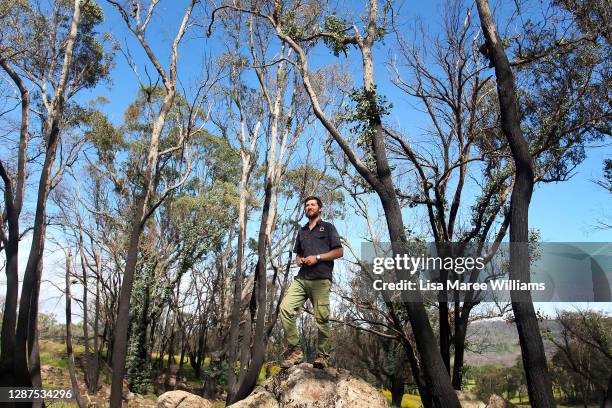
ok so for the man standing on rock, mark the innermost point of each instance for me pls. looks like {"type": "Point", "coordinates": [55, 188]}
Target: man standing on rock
{"type": "Point", "coordinates": [316, 246]}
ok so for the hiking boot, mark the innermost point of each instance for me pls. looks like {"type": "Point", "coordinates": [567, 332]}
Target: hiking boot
{"type": "Point", "coordinates": [293, 355]}
{"type": "Point", "coordinates": [321, 361]}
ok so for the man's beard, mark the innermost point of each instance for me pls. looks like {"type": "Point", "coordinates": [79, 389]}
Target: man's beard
{"type": "Point", "coordinates": [313, 215]}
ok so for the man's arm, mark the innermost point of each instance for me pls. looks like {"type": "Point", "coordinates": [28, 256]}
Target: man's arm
{"type": "Point", "coordinates": [335, 252]}
{"type": "Point", "coordinates": [327, 256]}
{"type": "Point", "coordinates": [297, 248]}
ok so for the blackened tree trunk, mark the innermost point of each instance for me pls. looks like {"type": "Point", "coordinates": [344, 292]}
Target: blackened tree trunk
{"type": "Point", "coordinates": [13, 198]}
{"type": "Point", "coordinates": [417, 374]}
{"type": "Point", "coordinates": [461, 324]}
{"type": "Point", "coordinates": [26, 336]}
{"type": "Point", "coordinates": [247, 383]}
{"type": "Point", "coordinates": [397, 390]}
{"type": "Point", "coordinates": [183, 350]}
{"type": "Point", "coordinates": [534, 359]}
{"type": "Point", "coordinates": [607, 402]}
{"type": "Point", "coordinates": [445, 329]}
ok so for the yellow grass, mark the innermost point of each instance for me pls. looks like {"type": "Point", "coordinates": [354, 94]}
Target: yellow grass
{"type": "Point", "coordinates": [408, 400]}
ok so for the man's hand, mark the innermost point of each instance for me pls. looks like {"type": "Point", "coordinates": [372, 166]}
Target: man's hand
{"type": "Point", "coordinates": [299, 260]}
{"type": "Point", "coordinates": [310, 260]}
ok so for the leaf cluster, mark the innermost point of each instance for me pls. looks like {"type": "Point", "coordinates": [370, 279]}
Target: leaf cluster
{"type": "Point", "coordinates": [338, 42]}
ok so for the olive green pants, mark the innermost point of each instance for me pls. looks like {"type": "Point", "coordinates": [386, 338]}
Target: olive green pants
{"type": "Point", "coordinates": [299, 291]}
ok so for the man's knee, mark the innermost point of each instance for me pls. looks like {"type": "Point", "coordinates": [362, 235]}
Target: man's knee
{"type": "Point", "coordinates": [286, 311]}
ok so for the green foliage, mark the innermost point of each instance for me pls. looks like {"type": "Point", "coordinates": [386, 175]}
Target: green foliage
{"type": "Point", "coordinates": [90, 59]}
{"type": "Point", "coordinates": [49, 328]}
{"type": "Point", "coordinates": [368, 110]}
{"type": "Point", "coordinates": [106, 139]}
{"type": "Point", "coordinates": [564, 94]}
{"type": "Point", "coordinates": [222, 159]}
{"type": "Point", "coordinates": [581, 363]}
{"type": "Point", "coordinates": [338, 41]}
{"type": "Point", "coordinates": [138, 363]}
{"type": "Point", "coordinates": [308, 180]}
{"type": "Point", "coordinates": [34, 35]}
{"type": "Point", "coordinates": [365, 116]}
{"type": "Point", "coordinates": [593, 16]}
{"type": "Point", "coordinates": [290, 26]}
{"type": "Point", "coordinates": [215, 373]}
{"type": "Point", "coordinates": [500, 380]}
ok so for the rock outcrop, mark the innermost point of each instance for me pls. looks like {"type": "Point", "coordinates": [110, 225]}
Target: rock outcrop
{"type": "Point", "coordinates": [303, 386]}
{"type": "Point", "coordinates": [469, 400]}
{"type": "Point", "coordinates": [181, 399]}
{"type": "Point", "coordinates": [498, 402]}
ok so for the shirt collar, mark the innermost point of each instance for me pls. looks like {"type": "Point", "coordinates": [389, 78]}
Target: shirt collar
{"type": "Point", "coordinates": [317, 225]}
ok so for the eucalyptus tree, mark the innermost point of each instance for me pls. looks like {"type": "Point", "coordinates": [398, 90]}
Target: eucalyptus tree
{"type": "Point", "coordinates": [554, 99]}
{"type": "Point", "coordinates": [285, 121]}
{"type": "Point", "coordinates": [83, 227]}
{"type": "Point", "coordinates": [69, 349]}
{"type": "Point", "coordinates": [583, 356]}
{"type": "Point", "coordinates": [448, 77]}
{"type": "Point", "coordinates": [445, 75]}
{"type": "Point", "coordinates": [56, 50]}
{"type": "Point", "coordinates": [240, 118]}
{"type": "Point", "coordinates": [532, 349]}
{"type": "Point", "coordinates": [137, 20]}
{"type": "Point", "coordinates": [301, 26]}
{"type": "Point", "coordinates": [189, 231]}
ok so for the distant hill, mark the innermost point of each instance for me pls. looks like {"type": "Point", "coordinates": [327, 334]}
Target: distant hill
{"type": "Point", "coordinates": [493, 342]}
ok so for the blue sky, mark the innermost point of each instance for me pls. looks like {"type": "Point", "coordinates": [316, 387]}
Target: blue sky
{"type": "Point", "coordinates": [562, 212]}
{"type": "Point", "coordinates": [566, 211]}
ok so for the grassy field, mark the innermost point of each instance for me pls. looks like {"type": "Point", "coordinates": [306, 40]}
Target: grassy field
{"type": "Point", "coordinates": [54, 363]}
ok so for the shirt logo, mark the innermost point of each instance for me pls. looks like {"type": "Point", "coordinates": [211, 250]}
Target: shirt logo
{"type": "Point", "coordinates": [321, 229]}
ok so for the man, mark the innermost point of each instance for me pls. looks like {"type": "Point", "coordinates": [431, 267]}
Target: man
{"type": "Point", "coordinates": [316, 246]}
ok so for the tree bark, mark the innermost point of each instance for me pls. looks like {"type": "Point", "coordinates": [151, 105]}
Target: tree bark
{"type": "Point", "coordinates": [69, 352]}
{"type": "Point", "coordinates": [607, 402]}
{"type": "Point", "coordinates": [274, 164]}
{"type": "Point", "coordinates": [9, 318]}
{"type": "Point", "coordinates": [236, 307]}
{"type": "Point", "coordinates": [397, 390]}
{"type": "Point", "coordinates": [534, 359]}
{"type": "Point", "coordinates": [459, 346]}
{"type": "Point", "coordinates": [13, 197]}
{"type": "Point", "coordinates": [95, 363]}
{"type": "Point", "coordinates": [445, 330]}
{"type": "Point", "coordinates": [247, 383]}
{"type": "Point", "coordinates": [88, 366]}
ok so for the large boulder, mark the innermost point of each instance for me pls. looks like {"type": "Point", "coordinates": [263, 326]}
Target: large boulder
{"type": "Point", "coordinates": [181, 399]}
{"type": "Point", "coordinates": [498, 402]}
{"type": "Point", "coordinates": [303, 386]}
{"type": "Point", "coordinates": [469, 400]}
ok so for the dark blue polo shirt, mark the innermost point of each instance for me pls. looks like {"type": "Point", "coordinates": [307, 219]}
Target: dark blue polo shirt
{"type": "Point", "coordinates": [321, 239]}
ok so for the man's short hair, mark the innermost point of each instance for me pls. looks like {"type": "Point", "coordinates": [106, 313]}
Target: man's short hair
{"type": "Point", "coordinates": [317, 199]}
